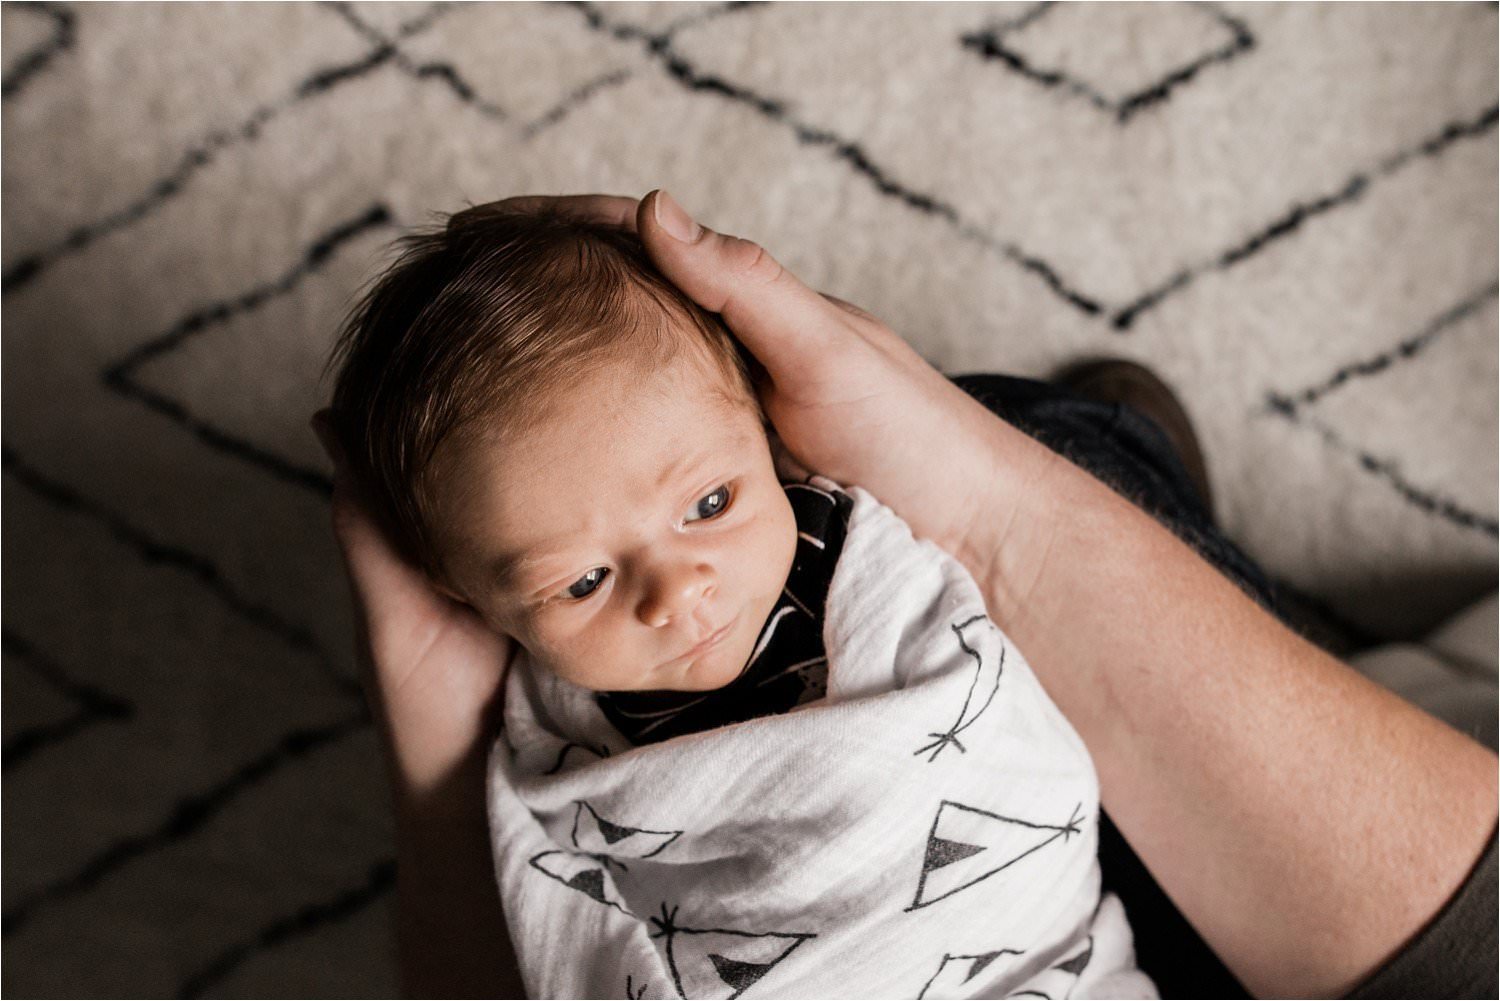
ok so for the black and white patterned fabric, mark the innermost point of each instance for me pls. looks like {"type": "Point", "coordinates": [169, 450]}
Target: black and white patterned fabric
{"type": "Point", "coordinates": [788, 665]}
{"type": "Point", "coordinates": [926, 829]}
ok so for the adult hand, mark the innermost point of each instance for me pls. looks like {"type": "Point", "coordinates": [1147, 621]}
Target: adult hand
{"type": "Point", "coordinates": [432, 674]}
{"type": "Point", "coordinates": [430, 667]}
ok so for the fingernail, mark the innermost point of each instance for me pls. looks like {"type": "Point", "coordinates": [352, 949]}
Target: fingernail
{"type": "Point", "coordinates": [671, 217]}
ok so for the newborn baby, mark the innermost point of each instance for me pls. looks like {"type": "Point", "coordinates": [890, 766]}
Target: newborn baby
{"type": "Point", "coordinates": [758, 739]}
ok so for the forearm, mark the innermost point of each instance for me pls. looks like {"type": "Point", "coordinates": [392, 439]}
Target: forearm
{"type": "Point", "coordinates": [1306, 821]}
{"type": "Point", "coordinates": [451, 936]}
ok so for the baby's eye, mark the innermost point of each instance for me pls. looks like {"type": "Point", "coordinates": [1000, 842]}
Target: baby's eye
{"type": "Point", "coordinates": [586, 585]}
{"type": "Point", "coordinates": [711, 505]}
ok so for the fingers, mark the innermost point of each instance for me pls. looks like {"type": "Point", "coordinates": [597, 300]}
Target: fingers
{"type": "Point", "coordinates": [784, 323]}
{"type": "Point", "coordinates": [616, 210]}
{"type": "Point", "coordinates": [381, 580]}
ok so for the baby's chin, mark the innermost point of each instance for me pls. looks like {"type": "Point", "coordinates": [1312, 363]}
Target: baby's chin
{"type": "Point", "coordinates": [713, 669]}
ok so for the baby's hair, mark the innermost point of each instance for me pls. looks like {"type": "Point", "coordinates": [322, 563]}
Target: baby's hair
{"type": "Point", "coordinates": [484, 319]}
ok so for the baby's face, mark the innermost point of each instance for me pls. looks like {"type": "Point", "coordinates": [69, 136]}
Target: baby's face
{"type": "Point", "coordinates": [636, 540]}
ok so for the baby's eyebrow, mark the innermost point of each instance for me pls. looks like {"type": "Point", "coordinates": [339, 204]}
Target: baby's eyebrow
{"type": "Point", "coordinates": [507, 567]}
{"type": "Point", "coordinates": [679, 469]}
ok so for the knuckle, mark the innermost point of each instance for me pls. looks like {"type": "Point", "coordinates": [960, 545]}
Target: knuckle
{"type": "Point", "coordinates": [756, 263]}
{"type": "Point", "coordinates": [848, 307]}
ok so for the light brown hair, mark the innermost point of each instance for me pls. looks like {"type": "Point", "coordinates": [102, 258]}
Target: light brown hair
{"type": "Point", "coordinates": [483, 319]}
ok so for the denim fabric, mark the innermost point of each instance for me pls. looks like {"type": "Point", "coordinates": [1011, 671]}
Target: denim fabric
{"type": "Point", "coordinates": [1126, 450]}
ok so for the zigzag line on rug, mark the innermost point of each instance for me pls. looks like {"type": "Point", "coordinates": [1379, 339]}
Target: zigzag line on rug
{"type": "Point", "coordinates": [33, 62]}
{"type": "Point", "coordinates": [444, 71]}
{"type": "Point", "coordinates": [378, 881]}
{"type": "Point", "coordinates": [1290, 221]}
{"type": "Point", "coordinates": [1385, 469]}
{"type": "Point", "coordinates": [94, 705]}
{"type": "Point", "coordinates": [573, 100]}
{"type": "Point", "coordinates": [850, 152]}
{"type": "Point", "coordinates": [118, 375]}
{"type": "Point", "coordinates": [989, 44]}
{"type": "Point", "coordinates": [207, 573]}
{"type": "Point", "coordinates": [449, 73]}
{"type": "Point", "coordinates": [1288, 405]}
{"type": "Point", "coordinates": [319, 82]}
{"type": "Point", "coordinates": [1241, 42]}
{"type": "Point", "coordinates": [626, 32]}
{"type": "Point", "coordinates": [188, 815]}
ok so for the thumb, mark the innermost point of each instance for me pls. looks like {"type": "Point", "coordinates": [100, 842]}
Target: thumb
{"type": "Point", "coordinates": [784, 323]}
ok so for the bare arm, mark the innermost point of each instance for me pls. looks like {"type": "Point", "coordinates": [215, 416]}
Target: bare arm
{"type": "Point", "coordinates": [1304, 820]}
{"type": "Point", "coordinates": [451, 935]}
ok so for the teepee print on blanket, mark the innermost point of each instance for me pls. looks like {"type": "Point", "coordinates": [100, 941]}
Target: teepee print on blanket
{"type": "Point", "coordinates": [982, 689]}
{"type": "Point", "coordinates": [955, 972]}
{"type": "Point", "coordinates": [584, 873]}
{"type": "Point", "coordinates": [967, 846]}
{"type": "Point", "coordinates": [609, 841]}
{"type": "Point", "coordinates": [1058, 981]}
{"type": "Point", "coordinates": [719, 962]}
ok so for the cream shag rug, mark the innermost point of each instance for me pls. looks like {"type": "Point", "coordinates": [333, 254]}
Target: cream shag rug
{"type": "Point", "coordinates": [1289, 211]}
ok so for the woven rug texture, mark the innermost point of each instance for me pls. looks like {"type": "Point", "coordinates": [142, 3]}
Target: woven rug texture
{"type": "Point", "coordinates": [1289, 211]}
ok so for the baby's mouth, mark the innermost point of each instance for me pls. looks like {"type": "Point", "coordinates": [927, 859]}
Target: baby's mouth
{"type": "Point", "coordinates": [706, 644]}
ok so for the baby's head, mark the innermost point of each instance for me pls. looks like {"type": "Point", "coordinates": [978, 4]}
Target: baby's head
{"type": "Point", "coordinates": [565, 442]}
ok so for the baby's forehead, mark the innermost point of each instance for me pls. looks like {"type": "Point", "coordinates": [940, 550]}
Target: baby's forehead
{"type": "Point", "coordinates": [698, 408]}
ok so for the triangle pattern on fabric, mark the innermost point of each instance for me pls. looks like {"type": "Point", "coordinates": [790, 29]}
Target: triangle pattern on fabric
{"type": "Point", "coordinates": [581, 873]}
{"type": "Point", "coordinates": [591, 882]}
{"type": "Point", "coordinates": [968, 845]}
{"type": "Point", "coordinates": [980, 962]}
{"type": "Point", "coordinates": [720, 962]}
{"type": "Point", "coordinates": [1076, 964]}
{"type": "Point", "coordinates": [941, 852]}
{"type": "Point", "coordinates": [738, 974]}
{"type": "Point", "coordinates": [613, 832]}
{"type": "Point", "coordinates": [602, 836]}
{"type": "Point", "coordinates": [954, 974]}
{"type": "Point", "coordinates": [1060, 980]}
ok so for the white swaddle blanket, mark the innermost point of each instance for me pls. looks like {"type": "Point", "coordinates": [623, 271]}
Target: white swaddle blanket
{"type": "Point", "coordinates": [927, 830]}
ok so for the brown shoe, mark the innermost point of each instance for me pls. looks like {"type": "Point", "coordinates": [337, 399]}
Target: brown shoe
{"type": "Point", "coordinates": [1118, 381]}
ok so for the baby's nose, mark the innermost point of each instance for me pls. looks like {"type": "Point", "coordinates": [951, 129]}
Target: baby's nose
{"type": "Point", "coordinates": [675, 591]}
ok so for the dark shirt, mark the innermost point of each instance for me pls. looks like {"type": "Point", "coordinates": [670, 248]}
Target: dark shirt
{"type": "Point", "coordinates": [788, 664]}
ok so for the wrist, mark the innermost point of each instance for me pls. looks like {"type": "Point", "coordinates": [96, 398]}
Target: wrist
{"type": "Point", "coordinates": [453, 799]}
{"type": "Point", "coordinates": [1012, 518]}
